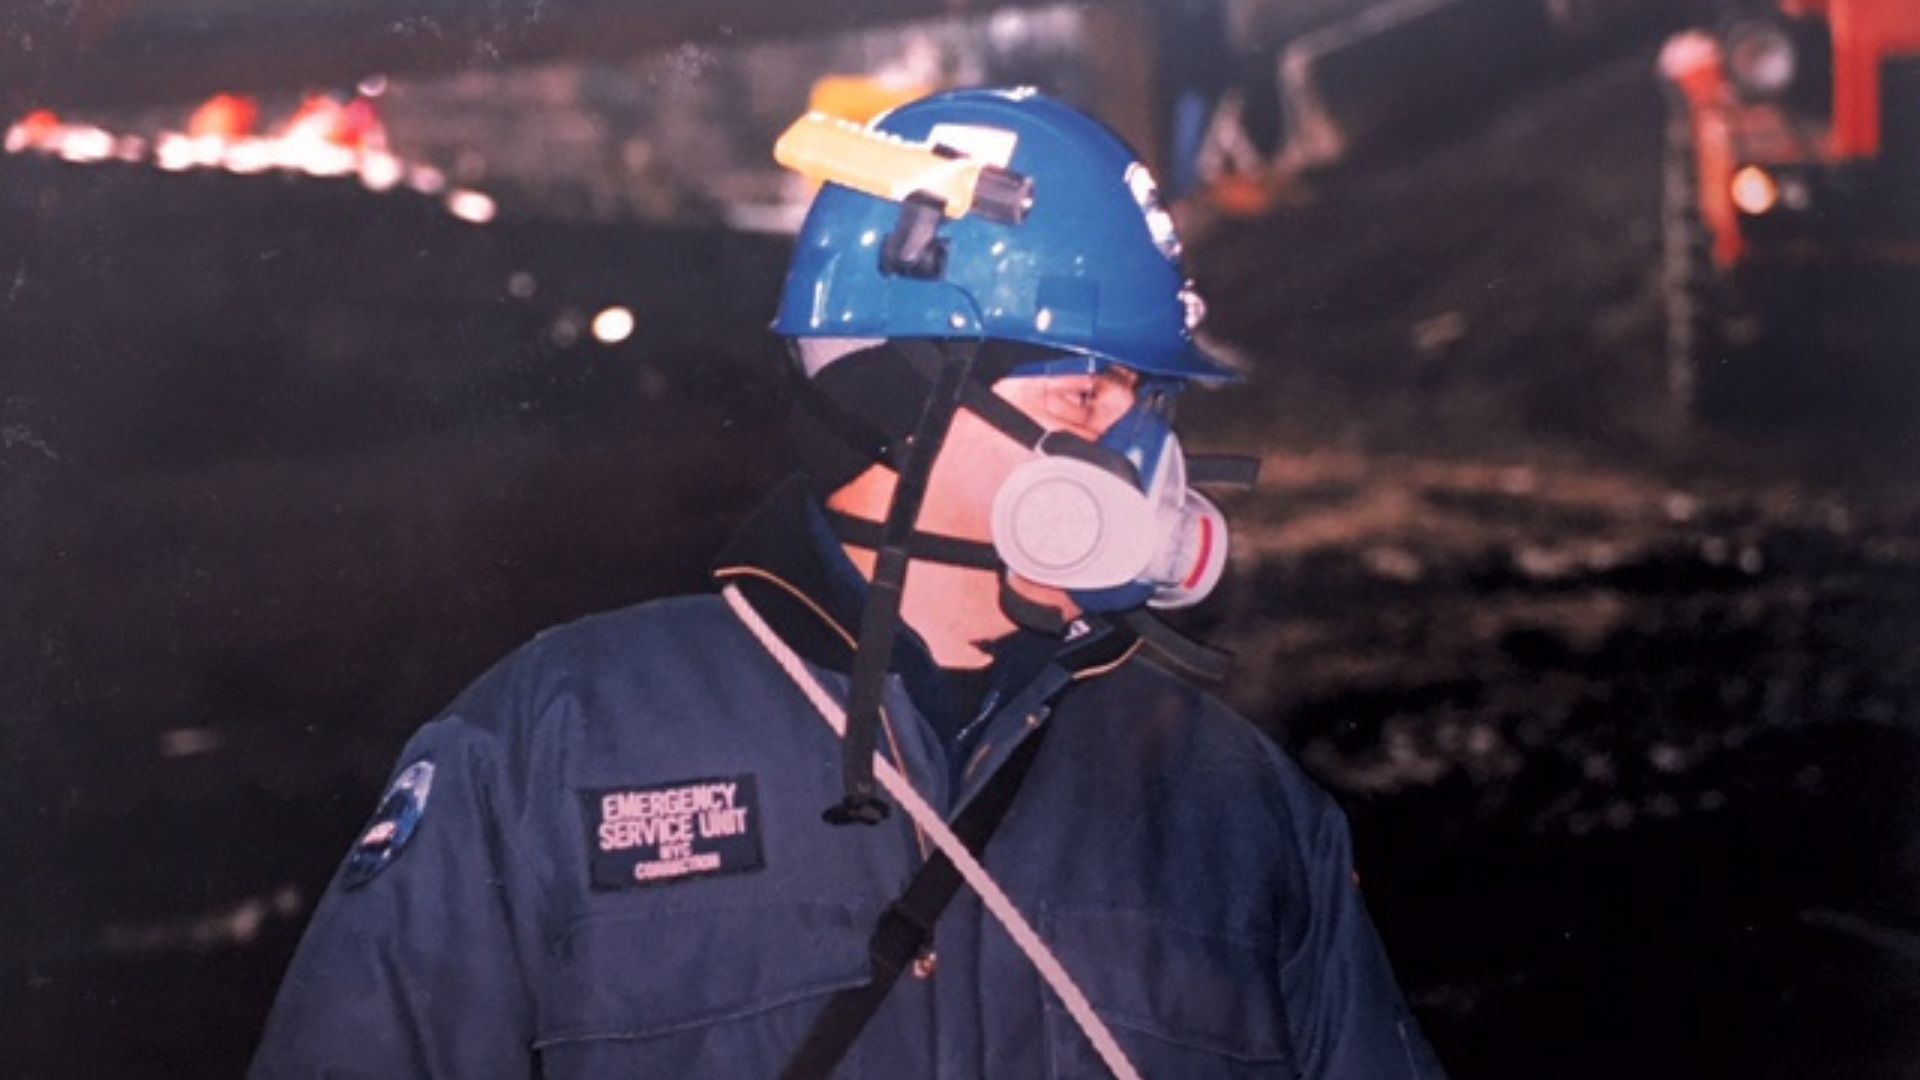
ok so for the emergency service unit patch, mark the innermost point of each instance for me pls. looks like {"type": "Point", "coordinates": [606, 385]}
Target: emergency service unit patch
{"type": "Point", "coordinates": [393, 825]}
{"type": "Point", "coordinates": [669, 832]}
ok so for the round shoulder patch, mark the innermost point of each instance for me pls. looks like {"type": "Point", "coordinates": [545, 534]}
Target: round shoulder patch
{"type": "Point", "coordinates": [393, 825]}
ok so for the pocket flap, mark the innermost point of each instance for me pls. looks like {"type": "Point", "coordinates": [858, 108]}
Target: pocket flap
{"type": "Point", "coordinates": [1174, 984]}
{"type": "Point", "coordinates": [658, 971]}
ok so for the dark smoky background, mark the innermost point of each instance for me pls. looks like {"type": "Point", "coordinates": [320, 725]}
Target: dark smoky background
{"type": "Point", "coordinates": [308, 416]}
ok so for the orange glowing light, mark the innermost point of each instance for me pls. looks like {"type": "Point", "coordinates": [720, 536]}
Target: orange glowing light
{"type": "Point", "coordinates": [224, 116]}
{"type": "Point", "coordinates": [1754, 192]}
{"type": "Point", "coordinates": [359, 126]}
{"type": "Point", "coordinates": [38, 130]}
{"type": "Point", "coordinates": [40, 124]}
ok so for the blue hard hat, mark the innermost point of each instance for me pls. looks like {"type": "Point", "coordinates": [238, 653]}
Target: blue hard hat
{"type": "Point", "coordinates": [1093, 270]}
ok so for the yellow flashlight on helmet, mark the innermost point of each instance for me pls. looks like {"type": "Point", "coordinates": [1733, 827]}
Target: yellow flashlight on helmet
{"type": "Point", "coordinates": [832, 150]}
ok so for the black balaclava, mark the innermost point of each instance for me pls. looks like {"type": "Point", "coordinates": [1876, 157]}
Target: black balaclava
{"type": "Point", "coordinates": [859, 407]}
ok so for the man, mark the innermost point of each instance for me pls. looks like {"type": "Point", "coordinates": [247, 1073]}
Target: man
{"type": "Point", "coordinates": [609, 857]}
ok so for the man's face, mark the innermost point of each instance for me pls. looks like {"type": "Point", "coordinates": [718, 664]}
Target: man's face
{"type": "Point", "coordinates": [957, 608]}
{"type": "Point", "coordinates": [977, 458]}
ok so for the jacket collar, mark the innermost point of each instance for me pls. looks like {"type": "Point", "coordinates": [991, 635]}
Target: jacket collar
{"type": "Point", "coordinates": [785, 558]}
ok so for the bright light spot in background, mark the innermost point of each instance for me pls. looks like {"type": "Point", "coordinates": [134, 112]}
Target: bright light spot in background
{"type": "Point", "coordinates": [470, 206]}
{"type": "Point", "coordinates": [380, 172]}
{"type": "Point", "coordinates": [175, 152]}
{"type": "Point", "coordinates": [521, 285]}
{"type": "Point", "coordinates": [324, 138]}
{"type": "Point", "coordinates": [316, 157]}
{"type": "Point", "coordinates": [86, 145]}
{"type": "Point", "coordinates": [372, 86]}
{"type": "Point", "coordinates": [248, 156]}
{"type": "Point", "coordinates": [1760, 55]}
{"type": "Point", "coordinates": [613, 326]}
{"type": "Point", "coordinates": [1753, 190]}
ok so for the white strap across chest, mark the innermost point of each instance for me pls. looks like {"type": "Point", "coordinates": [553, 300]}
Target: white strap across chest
{"type": "Point", "coordinates": [930, 822]}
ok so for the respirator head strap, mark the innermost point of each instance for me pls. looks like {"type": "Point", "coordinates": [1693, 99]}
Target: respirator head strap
{"type": "Point", "coordinates": [978, 398]}
{"type": "Point", "coordinates": [1237, 471]}
{"type": "Point", "coordinates": [880, 619]}
{"type": "Point", "coordinates": [954, 551]}
{"type": "Point", "coordinates": [925, 360]}
{"type": "Point", "coordinates": [1003, 415]}
{"type": "Point", "coordinates": [922, 546]}
{"type": "Point", "coordinates": [1201, 661]}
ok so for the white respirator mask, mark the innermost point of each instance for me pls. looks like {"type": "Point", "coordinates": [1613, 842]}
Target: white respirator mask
{"type": "Point", "coordinates": [1112, 523]}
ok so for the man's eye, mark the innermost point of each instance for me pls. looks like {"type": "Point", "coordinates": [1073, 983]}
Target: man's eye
{"type": "Point", "coordinates": [1078, 399]}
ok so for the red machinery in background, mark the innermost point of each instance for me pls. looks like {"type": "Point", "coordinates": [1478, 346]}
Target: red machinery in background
{"type": "Point", "coordinates": [1793, 162]}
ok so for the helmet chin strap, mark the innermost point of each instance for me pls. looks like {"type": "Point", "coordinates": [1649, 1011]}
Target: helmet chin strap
{"type": "Point", "coordinates": [880, 619]}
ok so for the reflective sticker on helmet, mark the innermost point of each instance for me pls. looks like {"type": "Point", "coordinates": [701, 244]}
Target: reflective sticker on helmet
{"type": "Point", "coordinates": [392, 827]}
{"type": "Point", "coordinates": [1195, 305]}
{"type": "Point", "coordinates": [1159, 222]}
{"type": "Point", "coordinates": [993, 146]}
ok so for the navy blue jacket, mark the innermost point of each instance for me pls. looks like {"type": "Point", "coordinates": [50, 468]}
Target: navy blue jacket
{"type": "Point", "coordinates": [619, 869]}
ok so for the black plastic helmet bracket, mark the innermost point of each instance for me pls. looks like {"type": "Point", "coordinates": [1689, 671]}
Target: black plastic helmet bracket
{"type": "Point", "coordinates": [915, 248]}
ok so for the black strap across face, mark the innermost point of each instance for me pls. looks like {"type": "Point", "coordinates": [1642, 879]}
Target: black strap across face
{"type": "Point", "coordinates": [954, 551]}
{"type": "Point", "coordinates": [1201, 661]}
{"type": "Point", "coordinates": [923, 546]}
{"type": "Point", "coordinates": [977, 397]}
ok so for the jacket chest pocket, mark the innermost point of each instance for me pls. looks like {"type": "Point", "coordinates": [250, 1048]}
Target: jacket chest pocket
{"type": "Point", "coordinates": [722, 990]}
{"type": "Point", "coordinates": [1181, 1004]}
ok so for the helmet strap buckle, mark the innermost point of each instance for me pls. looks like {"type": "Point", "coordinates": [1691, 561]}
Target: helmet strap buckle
{"type": "Point", "coordinates": [866, 809]}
